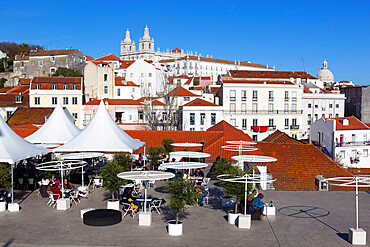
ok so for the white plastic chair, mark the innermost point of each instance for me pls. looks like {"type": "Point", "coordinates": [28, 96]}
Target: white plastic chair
{"type": "Point", "coordinates": [53, 201]}
{"type": "Point", "coordinates": [31, 183]}
{"type": "Point", "coordinates": [126, 209]}
{"type": "Point", "coordinates": [156, 204]}
{"type": "Point", "coordinates": [97, 183]}
{"type": "Point", "coordinates": [74, 197]}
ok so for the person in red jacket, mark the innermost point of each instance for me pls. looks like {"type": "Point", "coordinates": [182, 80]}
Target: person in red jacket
{"type": "Point", "coordinates": [56, 192]}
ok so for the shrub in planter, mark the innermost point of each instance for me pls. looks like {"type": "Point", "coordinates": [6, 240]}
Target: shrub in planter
{"type": "Point", "coordinates": [5, 182]}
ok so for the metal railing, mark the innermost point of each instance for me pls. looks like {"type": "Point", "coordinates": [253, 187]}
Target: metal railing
{"type": "Point", "coordinates": [263, 112]}
{"type": "Point", "coordinates": [349, 144]}
{"type": "Point", "coordinates": [294, 127]}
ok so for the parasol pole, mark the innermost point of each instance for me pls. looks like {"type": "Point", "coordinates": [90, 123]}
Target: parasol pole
{"type": "Point", "coordinates": [11, 167]}
{"type": "Point", "coordinates": [61, 175]}
{"type": "Point", "coordinates": [83, 176]}
{"type": "Point", "coordinates": [245, 196]}
{"type": "Point", "coordinates": [356, 202]}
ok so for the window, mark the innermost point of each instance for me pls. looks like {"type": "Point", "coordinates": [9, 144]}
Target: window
{"type": "Point", "coordinates": [213, 118]}
{"type": "Point", "coordinates": [244, 107]}
{"type": "Point", "coordinates": [343, 154]}
{"type": "Point", "coordinates": [233, 122]}
{"type": "Point", "coordinates": [254, 95]}
{"type": "Point", "coordinates": [150, 74]}
{"type": "Point", "coordinates": [316, 105]}
{"type": "Point", "coordinates": [255, 122]}
{"type": "Point", "coordinates": [286, 98]}
{"type": "Point", "coordinates": [192, 118]}
{"type": "Point", "coordinates": [336, 105]}
{"type": "Point", "coordinates": [87, 119]}
{"type": "Point", "coordinates": [52, 71]}
{"type": "Point", "coordinates": [232, 95]}
{"type": "Point", "coordinates": [74, 87]}
{"type": "Point", "coordinates": [37, 100]}
{"type": "Point", "coordinates": [40, 63]}
{"type": "Point", "coordinates": [192, 129]}
{"type": "Point", "coordinates": [255, 138]}
{"type": "Point", "coordinates": [133, 90]}
{"type": "Point", "coordinates": [244, 95]}
{"type": "Point", "coordinates": [37, 86]}
{"type": "Point", "coordinates": [323, 115]}
{"type": "Point", "coordinates": [74, 101]}
{"type": "Point", "coordinates": [65, 100]}
{"type": "Point", "coordinates": [186, 98]}
{"type": "Point", "coordinates": [75, 115]}
{"type": "Point", "coordinates": [18, 98]}
{"type": "Point", "coordinates": [365, 153]}
{"type": "Point", "coordinates": [54, 86]}
{"type": "Point", "coordinates": [316, 117]}
{"type": "Point", "coordinates": [286, 123]}
{"type": "Point", "coordinates": [271, 122]}
{"type": "Point", "coordinates": [309, 105]}
{"type": "Point", "coordinates": [271, 95]}
{"type": "Point", "coordinates": [330, 105]}
{"type": "Point", "coordinates": [254, 107]}
{"type": "Point", "coordinates": [244, 123]}
{"type": "Point", "coordinates": [22, 64]}
{"type": "Point", "coordinates": [294, 108]}
{"type": "Point", "coordinates": [330, 115]}
{"type": "Point", "coordinates": [65, 87]}
{"type": "Point", "coordinates": [294, 96]}
{"type": "Point", "coordinates": [309, 119]}
{"type": "Point", "coordinates": [118, 92]}
{"type": "Point", "coordinates": [105, 77]}
{"type": "Point", "coordinates": [271, 108]}
{"type": "Point", "coordinates": [232, 108]}
{"type": "Point", "coordinates": [74, 59]}
{"type": "Point", "coordinates": [8, 114]}
{"type": "Point", "coordinates": [105, 89]}
{"type": "Point", "coordinates": [337, 115]}
{"type": "Point", "coordinates": [54, 100]}
{"type": "Point", "coordinates": [286, 108]}
{"type": "Point", "coordinates": [353, 138]}
{"type": "Point", "coordinates": [202, 118]}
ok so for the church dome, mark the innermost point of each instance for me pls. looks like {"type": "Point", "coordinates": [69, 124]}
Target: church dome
{"type": "Point", "coordinates": [325, 74]}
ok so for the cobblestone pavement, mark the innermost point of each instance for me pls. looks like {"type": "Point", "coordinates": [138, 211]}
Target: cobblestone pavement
{"type": "Point", "coordinates": [303, 219]}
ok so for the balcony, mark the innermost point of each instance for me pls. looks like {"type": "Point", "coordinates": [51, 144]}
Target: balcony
{"type": "Point", "coordinates": [263, 112]}
{"type": "Point", "coordinates": [294, 127]}
{"type": "Point", "coordinates": [259, 128]}
{"type": "Point", "coordinates": [350, 144]}
{"type": "Point", "coordinates": [271, 127]}
{"type": "Point", "coordinates": [286, 99]}
{"type": "Point", "coordinates": [271, 99]}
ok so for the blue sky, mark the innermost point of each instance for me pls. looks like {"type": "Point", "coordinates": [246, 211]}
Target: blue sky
{"type": "Point", "coordinates": [275, 33]}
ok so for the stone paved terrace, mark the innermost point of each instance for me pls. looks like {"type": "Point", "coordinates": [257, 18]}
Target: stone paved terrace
{"type": "Point", "coordinates": [296, 223]}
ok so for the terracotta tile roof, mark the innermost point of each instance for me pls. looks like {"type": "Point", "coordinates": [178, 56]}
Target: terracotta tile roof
{"type": "Point", "coordinates": [359, 171]}
{"type": "Point", "coordinates": [269, 82]}
{"type": "Point", "coordinates": [297, 165]}
{"type": "Point", "coordinates": [88, 58]}
{"type": "Point", "coordinates": [109, 57]}
{"type": "Point", "coordinates": [54, 52]}
{"type": "Point", "coordinates": [24, 130]}
{"type": "Point", "coordinates": [5, 89]}
{"type": "Point", "coordinates": [189, 81]}
{"type": "Point", "coordinates": [182, 92]}
{"type": "Point", "coordinates": [200, 102]}
{"type": "Point", "coordinates": [47, 82]}
{"type": "Point", "coordinates": [114, 102]}
{"type": "Point", "coordinates": [126, 63]}
{"type": "Point", "coordinates": [324, 91]}
{"type": "Point", "coordinates": [10, 100]}
{"type": "Point", "coordinates": [270, 74]}
{"type": "Point", "coordinates": [171, 78]}
{"type": "Point", "coordinates": [176, 50]}
{"type": "Point", "coordinates": [20, 89]}
{"type": "Point", "coordinates": [24, 81]}
{"type": "Point", "coordinates": [155, 101]}
{"type": "Point", "coordinates": [281, 137]}
{"type": "Point", "coordinates": [353, 123]}
{"type": "Point", "coordinates": [367, 124]}
{"type": "Point", "coordinates": [98, 63]}
{"type": "Point", "coordinates": [305, 90]}
{"type": "Point", "coordinates": [215, 61]}
{"type": "Point", "coordinates": [119, 81]}
{"type": "Point", "coordinates": [30, 115]}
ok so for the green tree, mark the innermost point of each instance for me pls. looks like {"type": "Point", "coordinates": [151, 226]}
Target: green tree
{"type": "Point", "coordinates": [5, 176]}
{"type": "Point", "coordinates": [154, 155]}
{"type": "Point", "coordinates": [166, 142]}
{"type": "Point", "coordinates": [182, 194]}
{"type": "Point", "coordinates": [23, 50]}
{"type": "Point", "coordinates": [231, 170]}
{"type": "Point", "coordinates": [2, 82]}
{"type": "Point", "coordinates": [65, 72]}
{"type": "Point", "coordinates": [121, 162]}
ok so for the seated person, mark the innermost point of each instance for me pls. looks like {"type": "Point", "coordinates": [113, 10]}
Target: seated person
{"type": "Point", "coordinates": [186, 174]}
{"type": "Point", "coordinates": [136, 192]}
{"type": "Point", "coordinates": [67, 185]}
{"type": "Point", "coordinates": [56, 192]}
{"type": "Point", "coordinates": [258, 202]}
{"type": "Point", "coordinates": [133, 206]}
{"type": "Point", "coordinates": [199, 173]}
{"type": "Point", "coordinates": [202, 192]}
{"type": "Point", "coordinates": [252, 196]}
{"type": "Point", "coordinates": [44, 187]}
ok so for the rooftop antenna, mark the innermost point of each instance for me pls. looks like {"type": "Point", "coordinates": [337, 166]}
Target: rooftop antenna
{"type": "Point", "coordinates": [304, 69]}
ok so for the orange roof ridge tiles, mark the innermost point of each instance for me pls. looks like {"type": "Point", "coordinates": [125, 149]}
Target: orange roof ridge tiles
{"type": "Point", "coordinates": [270, 74]}
{"type": "Point", "coordinates": [306, 90]}
{"type": "Point", "coordinates": [24, 81]}
{"type": "Point", "coordinates": [46, 79]}
{"type": "Point", "coordinates": [19, 89]}
{"type": "Point", "coordinates": [54, 52]}
{"type": "Point", "coordinates": [114, 102]}
{"type": "Point", "coordinates": [98, 62]}
{"type": "Point", "coordinates": [110, 57]}
{"type": "Point", "coordinates": [353, 123]}
{"type": "Point", "coordinates": [281, 137]}
{"type": "Point", "coordinates": [181, 92]}
{"type": "Point", "coordinates": [216, 61]}
{"type": "Point", "coordinates": [200, 102]}
{"type": "Point", "coordinates": [126, 63]}
{"type": "Point", "coordinates": [24, 130]}
{"type": "Point", "coordinates": [257, 81]}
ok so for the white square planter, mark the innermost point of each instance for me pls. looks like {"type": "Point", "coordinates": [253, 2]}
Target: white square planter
{"type": "Point", "coordinates": [13, 207]}
{"type": "Point", "coordinates": [145, 219]}
{"type": "Point", "coordinates": [270, 211]}
{"type": "Point", "coordinates": [82, 211]}
{"type": "Point", "coordinates": [2, 206]}
{"type": "Point", "coordinates": [357, 237]}
{"type": "Point", "coordinates": [63, 204]}
{"type": "Point", "coordinates": [244, 221]}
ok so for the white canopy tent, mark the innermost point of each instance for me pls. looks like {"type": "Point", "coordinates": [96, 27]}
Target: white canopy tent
{"type": "Point", "coordinates": [101, 135]}
{"type": "Point", "coordinates": [58, 129]}
{"type": "Point", "coordinates": [14, 148]}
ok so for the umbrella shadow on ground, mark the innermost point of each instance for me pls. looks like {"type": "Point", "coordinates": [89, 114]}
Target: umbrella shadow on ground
{"type": "Point", "coordinates": [21, 195]}
{"type": "Point", "coordinates": [214, 200]}
{"type": "Point", "coordinates": [160, 190]}
{"type": "Point", "coordinates": [7, 244]}
{"type": "Point", "coordinates": [310, 212]}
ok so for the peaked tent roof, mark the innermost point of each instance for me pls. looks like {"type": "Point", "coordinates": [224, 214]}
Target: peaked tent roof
{"type": "Point", "coordinates": [59, 128]}
{"type": "Point", "coordinates": [101, 135]}
{"type": "Point", "coordinates": [14, 148]}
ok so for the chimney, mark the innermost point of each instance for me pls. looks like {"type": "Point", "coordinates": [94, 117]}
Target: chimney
{"type": "Point", "coordinates": [345, 122]}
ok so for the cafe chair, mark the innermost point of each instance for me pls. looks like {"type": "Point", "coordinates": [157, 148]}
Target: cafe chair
{"type": "Point", "coordinates": [126, 209]}
{"type": "Point", "coordinates": [97, 183]}
{"type": "Point", "coordinates": [156, 204]}
{"type": "Point", "coordinates": [31, 183]}
{"type": "Point", "coordinates": [53, 201]}
{"type": "Point", "coordinates": [74, 197]}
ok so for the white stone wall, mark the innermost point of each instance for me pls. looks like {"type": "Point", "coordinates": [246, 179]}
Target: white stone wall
{"type": "Point", "coordinates": [197, 111]}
